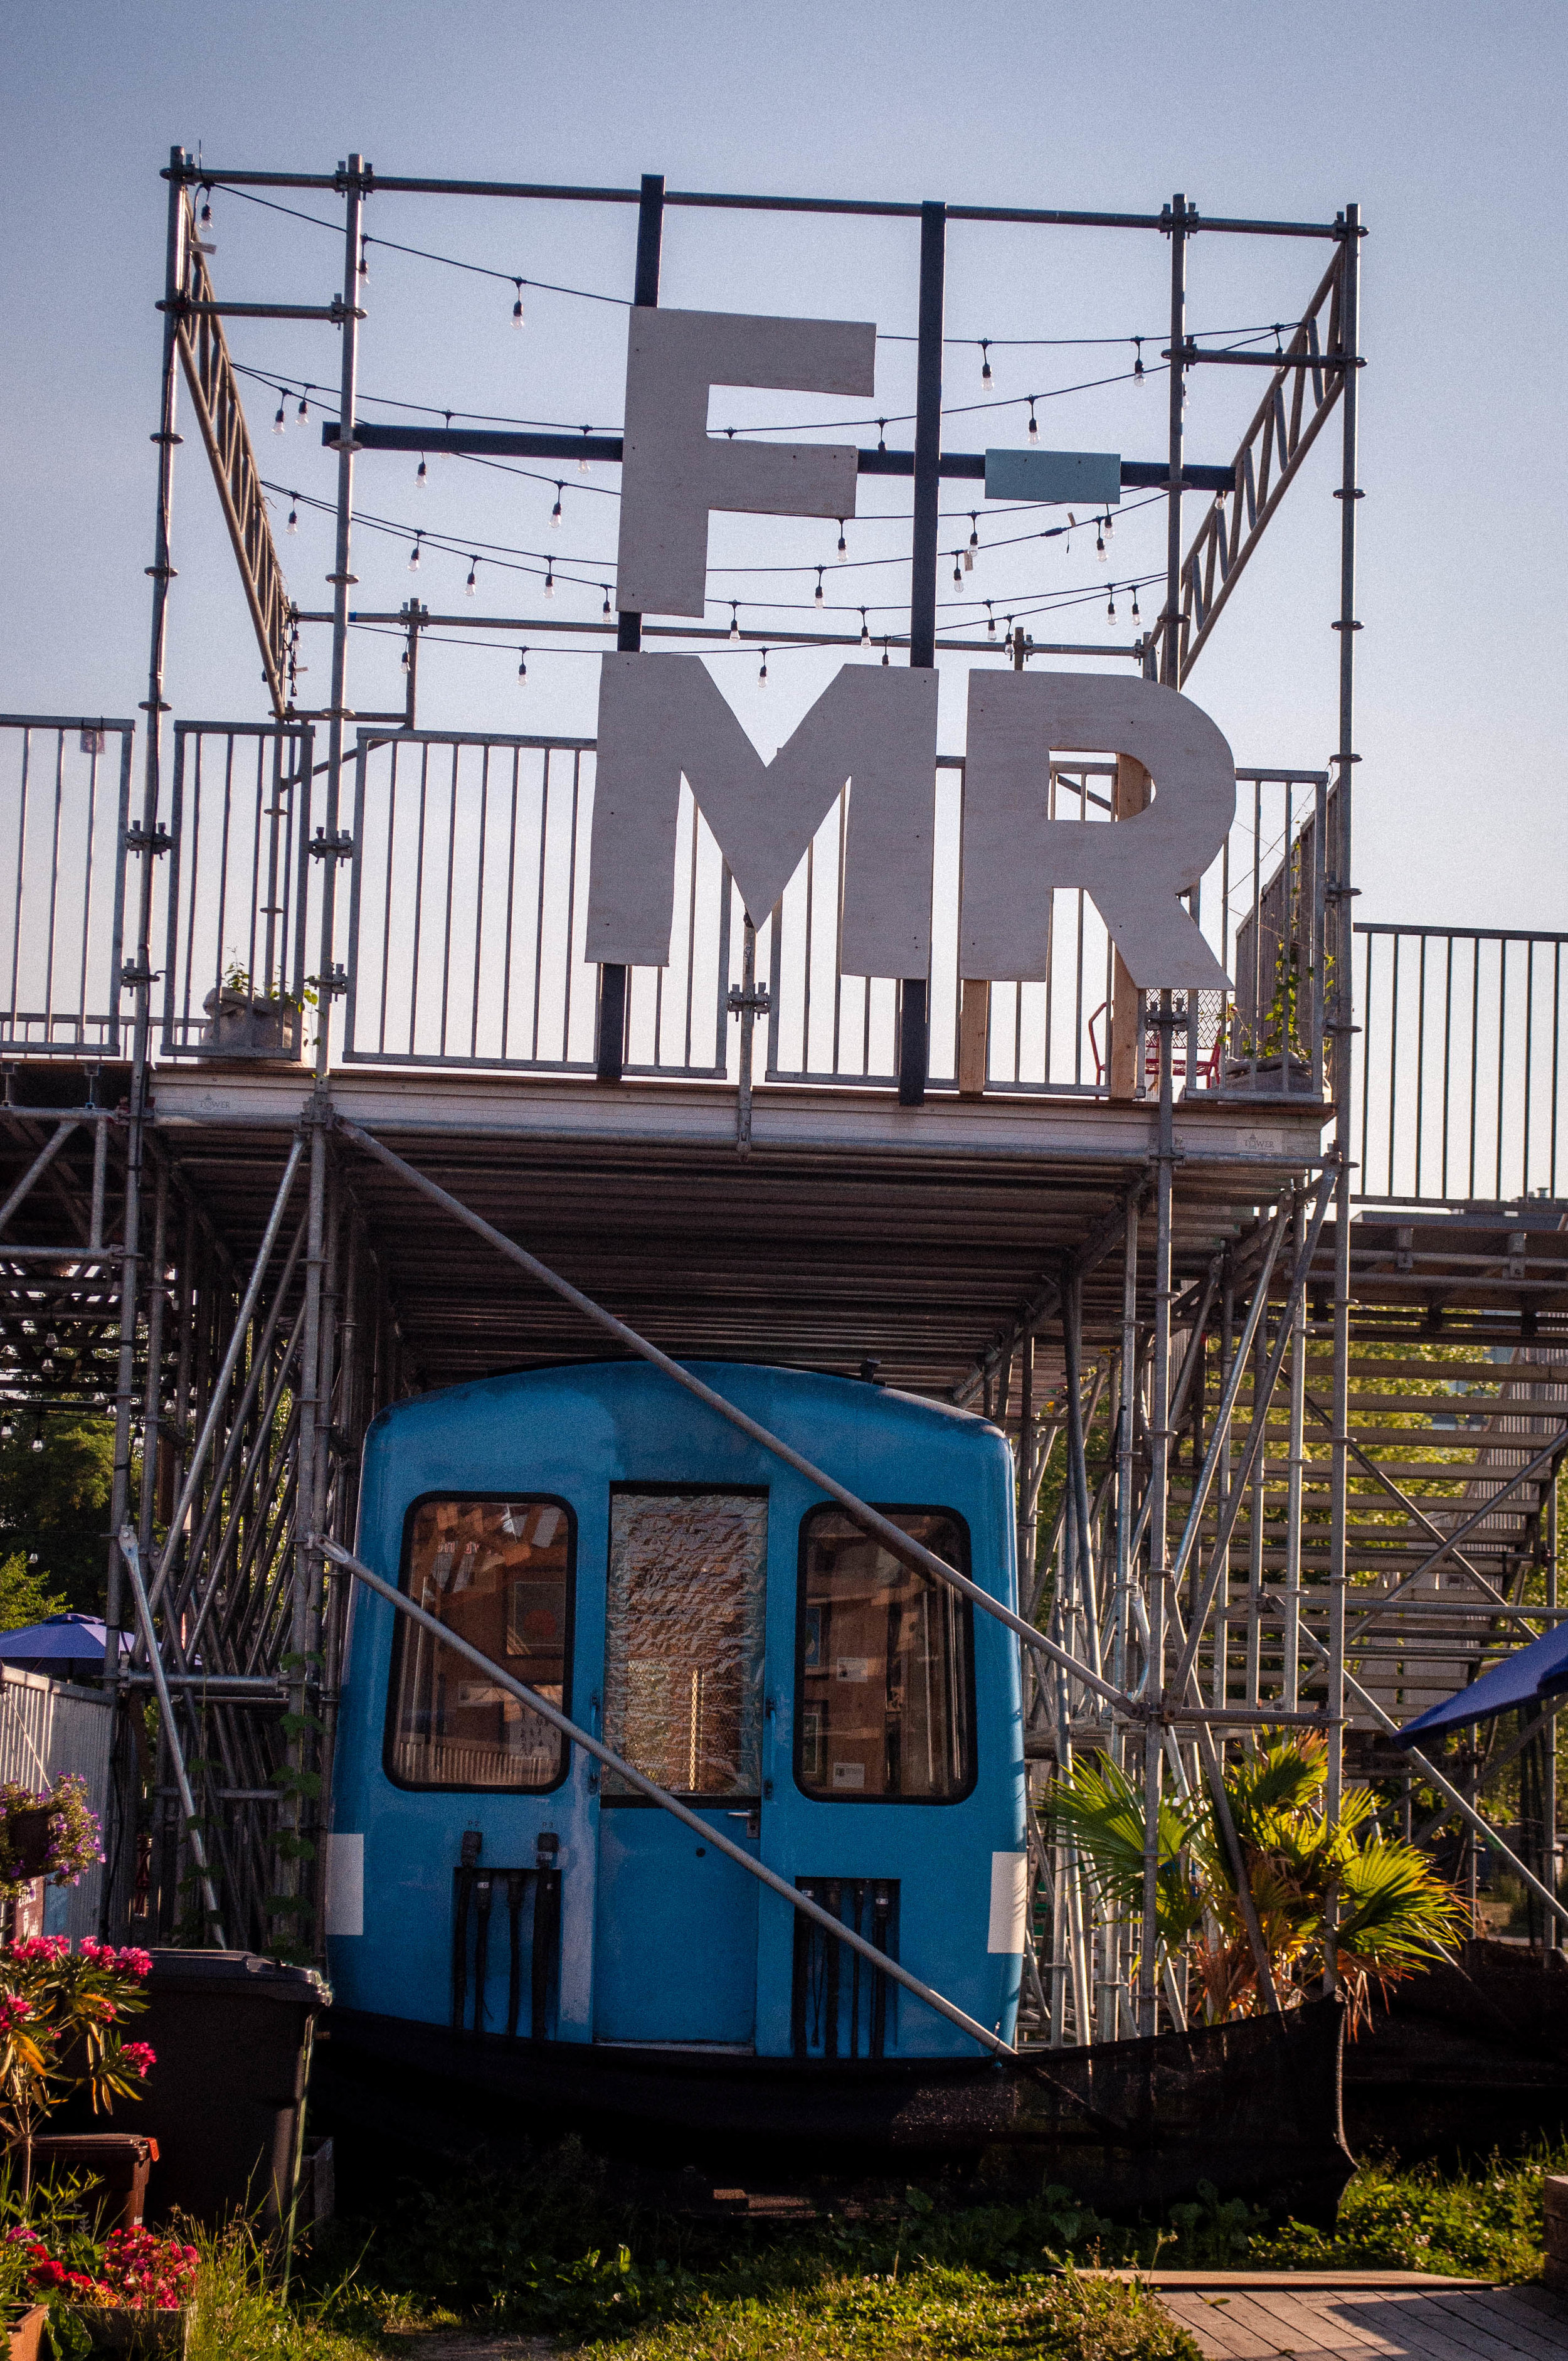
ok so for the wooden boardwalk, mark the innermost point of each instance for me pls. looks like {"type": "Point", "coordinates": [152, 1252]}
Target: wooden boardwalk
{"type": "Point", "coordinates": [1361, 2316]}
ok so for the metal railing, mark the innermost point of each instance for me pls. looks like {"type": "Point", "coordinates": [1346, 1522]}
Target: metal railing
{"type": "Point", "coordinates": [234, 892]}
{"type": "Point", "coordinates": [468, 907]}
{"type": "Point", "coordinates": [1458, 1072]}
{"type": "Point", "coordinates": [64, 809]}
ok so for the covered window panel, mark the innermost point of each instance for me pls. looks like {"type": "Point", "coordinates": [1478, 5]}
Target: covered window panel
{"type": "Point", "coordinates": [684, 1640]}
{"type": "Point", "coordinates": [885, 1699]}
{"type": "Point", "coordinates": [498, 1574]}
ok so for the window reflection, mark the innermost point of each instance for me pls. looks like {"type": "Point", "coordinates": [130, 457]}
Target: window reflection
{"type": "Point", "coordinates": [498, 1572]}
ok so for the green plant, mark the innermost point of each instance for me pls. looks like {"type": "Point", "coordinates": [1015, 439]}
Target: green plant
{"type": "Point", "coordinates": [1305, 1873]}
{"type": "Point", "coordinates": [24, 1597]}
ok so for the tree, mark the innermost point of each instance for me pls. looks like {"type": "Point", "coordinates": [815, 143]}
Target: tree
{"type": "Point", "coordinates": [1391, 1911]}
{"type": "Point", "coordinates": [54, 1503]}
{"type": "Point", "coordinates": [25, 1600]}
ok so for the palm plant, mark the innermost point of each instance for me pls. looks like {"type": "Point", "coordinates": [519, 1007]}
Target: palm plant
{"type": "Point", "coordinates": [1311, 1878]}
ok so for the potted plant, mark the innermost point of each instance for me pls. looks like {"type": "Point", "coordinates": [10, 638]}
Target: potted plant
{"type": "Point", "coordinates": [248, 1021]}
{"type": "Point", "coordinates": [63, 2028]}
{"type": "Point", "coordinates": [50, 1834]}
{"type": "Point", "coordinates": [130, 2295]}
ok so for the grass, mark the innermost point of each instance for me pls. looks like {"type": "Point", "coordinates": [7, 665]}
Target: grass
{"type": "Point", "coordinates": [547, 2250]}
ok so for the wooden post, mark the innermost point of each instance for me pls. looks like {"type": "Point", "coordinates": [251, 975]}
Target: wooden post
{"type": "Point", "coordinates": [974, 1036]}
{"type": "Point", "coordinates": [1130, 795]}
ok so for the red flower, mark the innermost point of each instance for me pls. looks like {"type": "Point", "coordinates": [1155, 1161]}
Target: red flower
{"type": "Point", "coordinates": [139, 2054]}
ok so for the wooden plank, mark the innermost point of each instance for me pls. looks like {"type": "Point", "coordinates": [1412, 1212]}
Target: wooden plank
{"type": "Point", "coordinates": [1499, 2312]}
{"type": "Point", "coordinates": [1207, 2321]}
{"type": "Point", "coordinates": [1415, 2318]}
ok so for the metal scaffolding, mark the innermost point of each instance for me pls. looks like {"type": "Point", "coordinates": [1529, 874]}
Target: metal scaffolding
{"type": "Point", "coordinates": [1221, 1272]}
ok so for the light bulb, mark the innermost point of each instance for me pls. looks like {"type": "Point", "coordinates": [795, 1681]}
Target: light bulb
{"type": "Point", "coordinates": [7, 1432]}
{"type": "Point", "coordinates": [407, 660]}
{"type": "Point", "coordinates": [555, 511]}
{"type": "Point", "coordinates": [523, 664]}
{"type": "Point", "coordinates": [1100, 545]}
{"type": "Point", "coordinates": [550, 581]}
{"type": "Point", "coordinates": [817, 597]}
{"type": "Point", "coordinates": [204, 218]}
{"type": "Point", "coordinates": [1111, 608]}
{"type": "Point", "coordinates": [974, 530]}
{"type": "Point", "coordinates": [280, 424]}
{"type": "Point", "coordinates": [734, 621]}
{"type": "Point", "coordinates": [304, 410]}
{"type": "Point", "coordinates": [47, 1365]}
{"type": "Point", "coordinates": [957, 569]}
{"type": "Point", "coordinates": [865, 634]}
{"type": "Point", "coordinates": [1110, 525]}
{"type": "Point", "coordinates": [37, 1443]}
{"type": "Point", "coordinates": [1138, 376]}
{"type": "Point", "coordinates": [472, 584]}
{"type": "Point", "coordinates": [517, 307]}
{"type": "Point", "coordinates": [422, 477]}
{"type": "Point", "coordinates": [881, 434]}
{"type": "Point", "coordinates": [605, 609]}
{"type": "Point", "coordinates": [985, 360]}
{"type": "Point", "coordinates": [989, 621]}
{"type": "Point", "coordinates": [884, 655]}
{"type": "Point", "coordinates": [364, 259]}
{"type": "Point", "coordinates": [294, 525]}
{"type": "Point", "coordinates": [413, 559]}
{"type": "Point", "coordinates": [1136, 617]}
{"type": "Point", "coordinates": [763, 675]}
{"type": "Point", "coordinates": [1034, 428]}
{"type": "Point", "coordinates": [843, 544]}
{"type": "Point", "coordinates": [583, 462]}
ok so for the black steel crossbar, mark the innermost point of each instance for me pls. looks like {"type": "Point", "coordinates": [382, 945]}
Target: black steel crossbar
{"type": "Point", "coordinates": [504, 443]}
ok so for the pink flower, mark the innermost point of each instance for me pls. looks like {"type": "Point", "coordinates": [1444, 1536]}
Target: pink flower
{"type": "Point", "coordinates": [140, 2055]}
{"type": "Point", "coordinates": [134, 1962]}
{"type": "Point", "coordinates": [33, 1948]}
{"type": "Point", "coordinates": [13, 2011]}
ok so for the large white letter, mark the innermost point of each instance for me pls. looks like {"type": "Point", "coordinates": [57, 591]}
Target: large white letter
{"type": "Point", "coordinates": [674, 471]}
{"type": "Point", "coordinates": [1134, 869]}
{"type": "Point", "coordinates": [660, 717]}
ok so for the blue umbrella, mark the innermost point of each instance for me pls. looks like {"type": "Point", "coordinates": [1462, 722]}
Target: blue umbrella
{"type": "Point", "coordinates": [1524, 1678]}
{"type": "Point", "coordinates": [58, 1645]}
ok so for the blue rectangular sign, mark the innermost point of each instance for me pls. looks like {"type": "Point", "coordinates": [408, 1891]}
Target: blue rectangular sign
{"type": "Point", "coordinates": [1091, 477]}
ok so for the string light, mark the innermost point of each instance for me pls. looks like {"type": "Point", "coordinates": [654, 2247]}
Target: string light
{"type": "Point", "coordinates": [304, 410]}
{"type": "Point", "coordinates": [865, 631]}
{"type": "Point", "coordinates": [7, 1432]}
{"type": "Point", "coordinates": [522, 664]}
{"type": "Point", "coordinates": [294, 514]}
{"type": "Point", "coordinates": [37, 1443]}
{"type": "Point", "coordinates": [1138, 376]}
{"type": "Point", "coordinates": [1110, 525]}
{"type": "Point", "coordinates": [884, 655]}
{"type": "Point", "coordinates": [1067, 538]}
{"type": "Point", "coordinates": [364, 260]}
{"type": "Point", "coordinates": [881, 434]}
{"type": "Point", "coordinates": [734, 621]}
{"type": "Point", "coordinates": [413, 555]}
{"type": "Point", "coordinates": [204, 218]}
{"type": "Point", "coordinates": [421, 478]}
{"type": "Point", "coordinates": [472, 584]}
{"type": "Point", "coordinates": [555, 511]}
{"type": "Point", "coordinates": [957, 569]}
{"type": "Point", "coordinates": [605, 609]}
{"type": "Point", "coordinates": [817, 596]}
{"type": "Point", "coordinates": [989, 621]}
{"type": "Point", "coordinates": [1136, 617]}
{"type": "Point", "coordinates": [763, 675]}
{"type": "Point", "coordinates": [973, 542]}
{"type": "Point", "coordinates": [843, 544]}
{"type": "Point", "coordinates": [1034, 427]}
{"type": "Point", "coordinates": [517, 307]}
{"type": "Point", "coordinates": [280, 424]}
{"type": "Point", "coordinates": [1100, 545]}
{"type": "Point", "coordinates": [583, 461]}
{"type": "Point", "coordinates": [549, 579]}
{"type": "Point", "coordinates": [1110, 609]}
{"type": "Point", "coordinates": [407, 660]}
{"type": "Point", "coordinates": [985, 360]}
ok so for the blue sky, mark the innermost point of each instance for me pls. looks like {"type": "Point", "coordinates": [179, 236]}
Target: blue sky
{"type": "Point", "coordinates": [1444, 121]}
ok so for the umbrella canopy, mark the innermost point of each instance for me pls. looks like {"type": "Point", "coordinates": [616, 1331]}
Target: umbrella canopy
{"type": "Point", "coordinates": [55, 1646]}
{"type": "Point", "coordinates": [1529, 1674]}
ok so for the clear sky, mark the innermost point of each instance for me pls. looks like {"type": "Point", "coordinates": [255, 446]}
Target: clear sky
{"type": "Point", "coordinates": [1444, 121]}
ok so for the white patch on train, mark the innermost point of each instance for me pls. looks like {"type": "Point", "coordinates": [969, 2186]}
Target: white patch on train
{"type": "Point", "coordinates": [849, 1775]}
{"type": "Point", "coordinates": [345, 1886]}
{"type": "Point", "coordinates": [1009, 1901]}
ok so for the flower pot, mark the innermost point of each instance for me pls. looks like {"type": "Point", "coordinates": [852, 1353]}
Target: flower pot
{"type": "Point", "coordinates": [129, 2331]}
{"type": "Point", "coordinates": [26, 2337]}
{"type": "Point", "coordinates": [28, 1834]}
{"type": "Point", "coordinates": [240, 1025]}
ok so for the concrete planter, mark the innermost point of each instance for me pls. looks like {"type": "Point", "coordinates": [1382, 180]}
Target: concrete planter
{"type": "Point", "coordinates": [241, 1027]}
{"type": "Point", "coordinates": [26, 2340]}
{"type": "Point", "coordinates": [138, 2335]}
